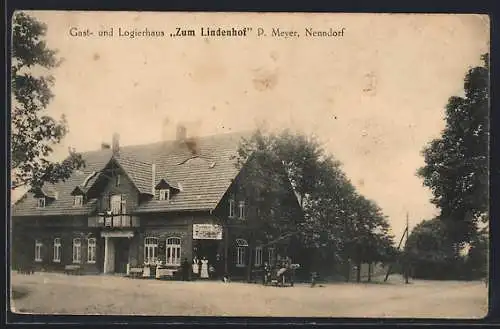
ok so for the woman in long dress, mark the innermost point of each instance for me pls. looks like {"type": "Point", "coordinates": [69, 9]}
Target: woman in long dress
{"type": "Point", "coordinates": [204, 268]}
{"type": "Point", "coordinates": [195, 265]}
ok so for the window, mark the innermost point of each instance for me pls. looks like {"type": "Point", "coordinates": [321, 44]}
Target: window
{"type": "Point", "coordinates": [150, 250]}
{"type": "Point", "coordinates": [116, 204]}
{"type": "Point", "coordinates": [241, 246]}
{"type": "Point", "coordinates": [241, 207]}
{"type": "Point", "coordinates": [173, 251]}
{"type": "Point", "coordinates": [77, 250]}
{"type": "Point", "coordinates": [57, 250]}
{"type": "Point", "coordinates": [258, 256]}
{"type": "Point", "coordinates": [117, 181]}
{"type": "Point", "coordinates": [231, 208]}
{"type": "Point", "coordinates": [41, 203]}
{"type": "Point", "coordinates": [240, 256]}
{"type": "Point", "coordinates": [164, 194]}
{"type": "Point", "coordinates": [91, 250]}
{"type": "Point", "coordinates": [38, 250]}
{"type": "Point", "coordinates": [78, 201]}
{"type": "Point", "coordinates": [270, 255]}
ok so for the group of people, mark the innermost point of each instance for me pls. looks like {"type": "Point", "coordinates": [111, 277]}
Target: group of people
{"type": "Point", "coordinates": [200, 268]}
{"type": "Point", "coordinates": [282, 268]}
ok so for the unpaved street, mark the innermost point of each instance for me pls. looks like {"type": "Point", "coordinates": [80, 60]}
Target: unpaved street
{"type": "Point", "coordinates": [50, 293]}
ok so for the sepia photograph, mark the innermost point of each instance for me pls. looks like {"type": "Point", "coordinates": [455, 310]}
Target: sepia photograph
{"type": "Point", "coordinates": [328, 165]}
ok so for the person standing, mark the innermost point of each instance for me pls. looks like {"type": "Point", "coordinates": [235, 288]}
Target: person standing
{"type": "Point", "coordinates": [185, 270]}
{"type": "Point", "coordinates": [195, 266]}
{"type": "Point", "coordinates": [204, 269]}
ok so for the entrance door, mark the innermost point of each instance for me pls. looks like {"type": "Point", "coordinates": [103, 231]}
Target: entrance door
{"type": "Point", "coordinates": [122, 246]}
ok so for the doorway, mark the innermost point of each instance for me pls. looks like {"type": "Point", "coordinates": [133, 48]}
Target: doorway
{"type": "Point", "coordinates": [122, 246]}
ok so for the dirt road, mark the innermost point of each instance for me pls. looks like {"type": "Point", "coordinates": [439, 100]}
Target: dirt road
{"type": "Point", "coordinates": [50, 293]}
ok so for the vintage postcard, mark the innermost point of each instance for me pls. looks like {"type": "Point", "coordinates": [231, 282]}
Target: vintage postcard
{"type": "Point", "coordinates": [250, 164]}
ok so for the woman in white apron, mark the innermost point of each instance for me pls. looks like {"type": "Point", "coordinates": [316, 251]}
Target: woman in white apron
{"type": "Point", "coordinates": [195, 266]}
{"type": "Point", "coordinates": [204, 268]}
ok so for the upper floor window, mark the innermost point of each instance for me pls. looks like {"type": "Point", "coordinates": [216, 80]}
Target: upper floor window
{"type": "Point", "coordinates": [231, 207]}
{"type": "Point", "coordinates": [150, 250]}
{"type": "Point", "coordinates": [241, 209]}
{"type": "Point", "coordinates": [164, 194]}
{"type": "Point", "coordinates": [38, 250]}
{"type": "Point", "coordinates": [116, 204]}
{"type": "Point", "coordinates": [173, 249]}
{"type": "Point", "coordinates": [41, 203]}
{"type": "Point", "coordinates": [118, 180]}
{"type": "Point", "coordinates": [78, 200]}
{"type": "Point", "coordinates": [57, 250]}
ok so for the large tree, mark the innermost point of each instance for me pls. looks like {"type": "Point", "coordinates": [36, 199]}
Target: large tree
{"type": "Point", "coordinates": [34, 132]}
{"type": "Point", "coordinates": [338, 224]}
{"type": "Point", "coordinates": [456, 164]}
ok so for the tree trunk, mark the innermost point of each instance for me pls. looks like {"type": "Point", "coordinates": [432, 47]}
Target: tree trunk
{"type": "Point", "coordinates": [369, 272]}
{"type": "Point", "coordinates": [358, 272]}
{"type": "Point", "coordinates": [249, 265]}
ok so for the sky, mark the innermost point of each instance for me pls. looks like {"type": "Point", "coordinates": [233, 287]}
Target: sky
{"type": "Point", "coordinates": [374, 96]}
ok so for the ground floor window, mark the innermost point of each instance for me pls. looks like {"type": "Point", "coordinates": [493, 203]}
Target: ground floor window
{"type": "Point", "coordinates": [173, 250]}
{"type": "Point", "coordinates": [241, 249]}
{"type": "Point", "coordinates": [150, 250]}
{"type": "Point", "coordinates": [258, 256]}
{"type": "Point", "coordinates": [91, 250]}
{"type": "Point", "coordinates": [57, 250]}
{"type": "Point", "coordinates": [38, 250]}
{"type": "Point", "coordinates": [77, 250]}
{"type": "Point", "coordinates": [270, 255]}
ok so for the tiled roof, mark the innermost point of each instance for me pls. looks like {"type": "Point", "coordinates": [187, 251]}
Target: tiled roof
{"type": "Point", "coordinates": [203, 178]}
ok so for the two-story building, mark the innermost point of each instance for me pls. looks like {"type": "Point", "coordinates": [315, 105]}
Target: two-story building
{"type": "Point", "coordinates": [142, 204]}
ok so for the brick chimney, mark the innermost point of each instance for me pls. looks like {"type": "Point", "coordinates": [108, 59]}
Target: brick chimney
{"type": "Point", "coordinates": [116, 144]}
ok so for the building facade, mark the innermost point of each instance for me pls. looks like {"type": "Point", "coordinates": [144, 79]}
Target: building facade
{"type": "Point", "coordinates": [138, 205]}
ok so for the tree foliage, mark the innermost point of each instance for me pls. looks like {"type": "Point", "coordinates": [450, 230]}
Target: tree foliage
{"type": "Point", "coordinates": [456, 164]}
{"type": "Point", "coordinates": [336, 219]}
{"type": "Point", "coordinates": [34, 132]}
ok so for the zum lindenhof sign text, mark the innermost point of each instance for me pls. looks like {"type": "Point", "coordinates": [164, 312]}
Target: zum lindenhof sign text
{"type": "Point", "coordinates": [207, 232]}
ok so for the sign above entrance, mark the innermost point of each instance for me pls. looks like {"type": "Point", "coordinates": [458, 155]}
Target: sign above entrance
{"type": "Point", "coordinates": [207, 232]}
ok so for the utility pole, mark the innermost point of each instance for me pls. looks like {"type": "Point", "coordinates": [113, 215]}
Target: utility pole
{"type": "Point", "coordinates": [407, 261]}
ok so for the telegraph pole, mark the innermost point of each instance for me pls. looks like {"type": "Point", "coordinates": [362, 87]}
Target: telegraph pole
{"type": "Point", "coordinates": [407, 261]}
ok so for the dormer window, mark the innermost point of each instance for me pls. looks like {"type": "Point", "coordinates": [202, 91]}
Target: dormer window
{"type": "Point", "coordinates": [117, 181]}
{"type": "Point", "coordinates": [164, 195]}
{"type": "Point", "coordinates": [241, 208]}
{"type": "Point", "coordinates": [41, 202]}
{"type": "Point", "coordinates": [78, 201]}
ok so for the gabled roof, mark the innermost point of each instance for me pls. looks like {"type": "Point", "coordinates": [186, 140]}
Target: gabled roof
{"type": "Point", "coordinates": [204, 177]}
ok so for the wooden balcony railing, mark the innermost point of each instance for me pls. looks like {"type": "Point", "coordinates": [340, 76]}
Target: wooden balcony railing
{"type": "Point", "coordinates": [113, 221]}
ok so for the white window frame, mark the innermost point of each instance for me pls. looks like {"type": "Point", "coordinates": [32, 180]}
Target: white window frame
{"type": "Point", "coordinates": [115, 204]}
{"type": "Point", "coordinates": [38, 250]}
{"type": "Point", "coordinates": [258, 256]}
{"type": "Point", "coordinates": [41, 202]}
{"type": "Point", "coordinates": [118, 180]}
{"type": "Point", "coordinates": [77, 250]}
{"type": "Point", "coordinates": [78, 201]}
{"type": "Point", "coordinates": [57, 250]}
{"type": "Point", "coordinates": [150, 249]}
{"type": "Point", "coordinates": [232, 207]}
{"type": "Point", "coordinates": [91, 250]}
{"type": "Point", "coordinates": [240, 256]}
{"type": "Point", "coordinates": [241, 210]}
{"type": "Point", "coordinates": [164, 195]}
{"type": "Point", "coordinates": [173, 251]}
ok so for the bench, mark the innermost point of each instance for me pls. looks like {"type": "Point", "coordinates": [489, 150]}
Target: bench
{"type": "Point", "coordinates": [162, 273]}
{"type": "Point", "coordinates": [72, 269]}
{"type": "Point", "coordinates": [136, 272]}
